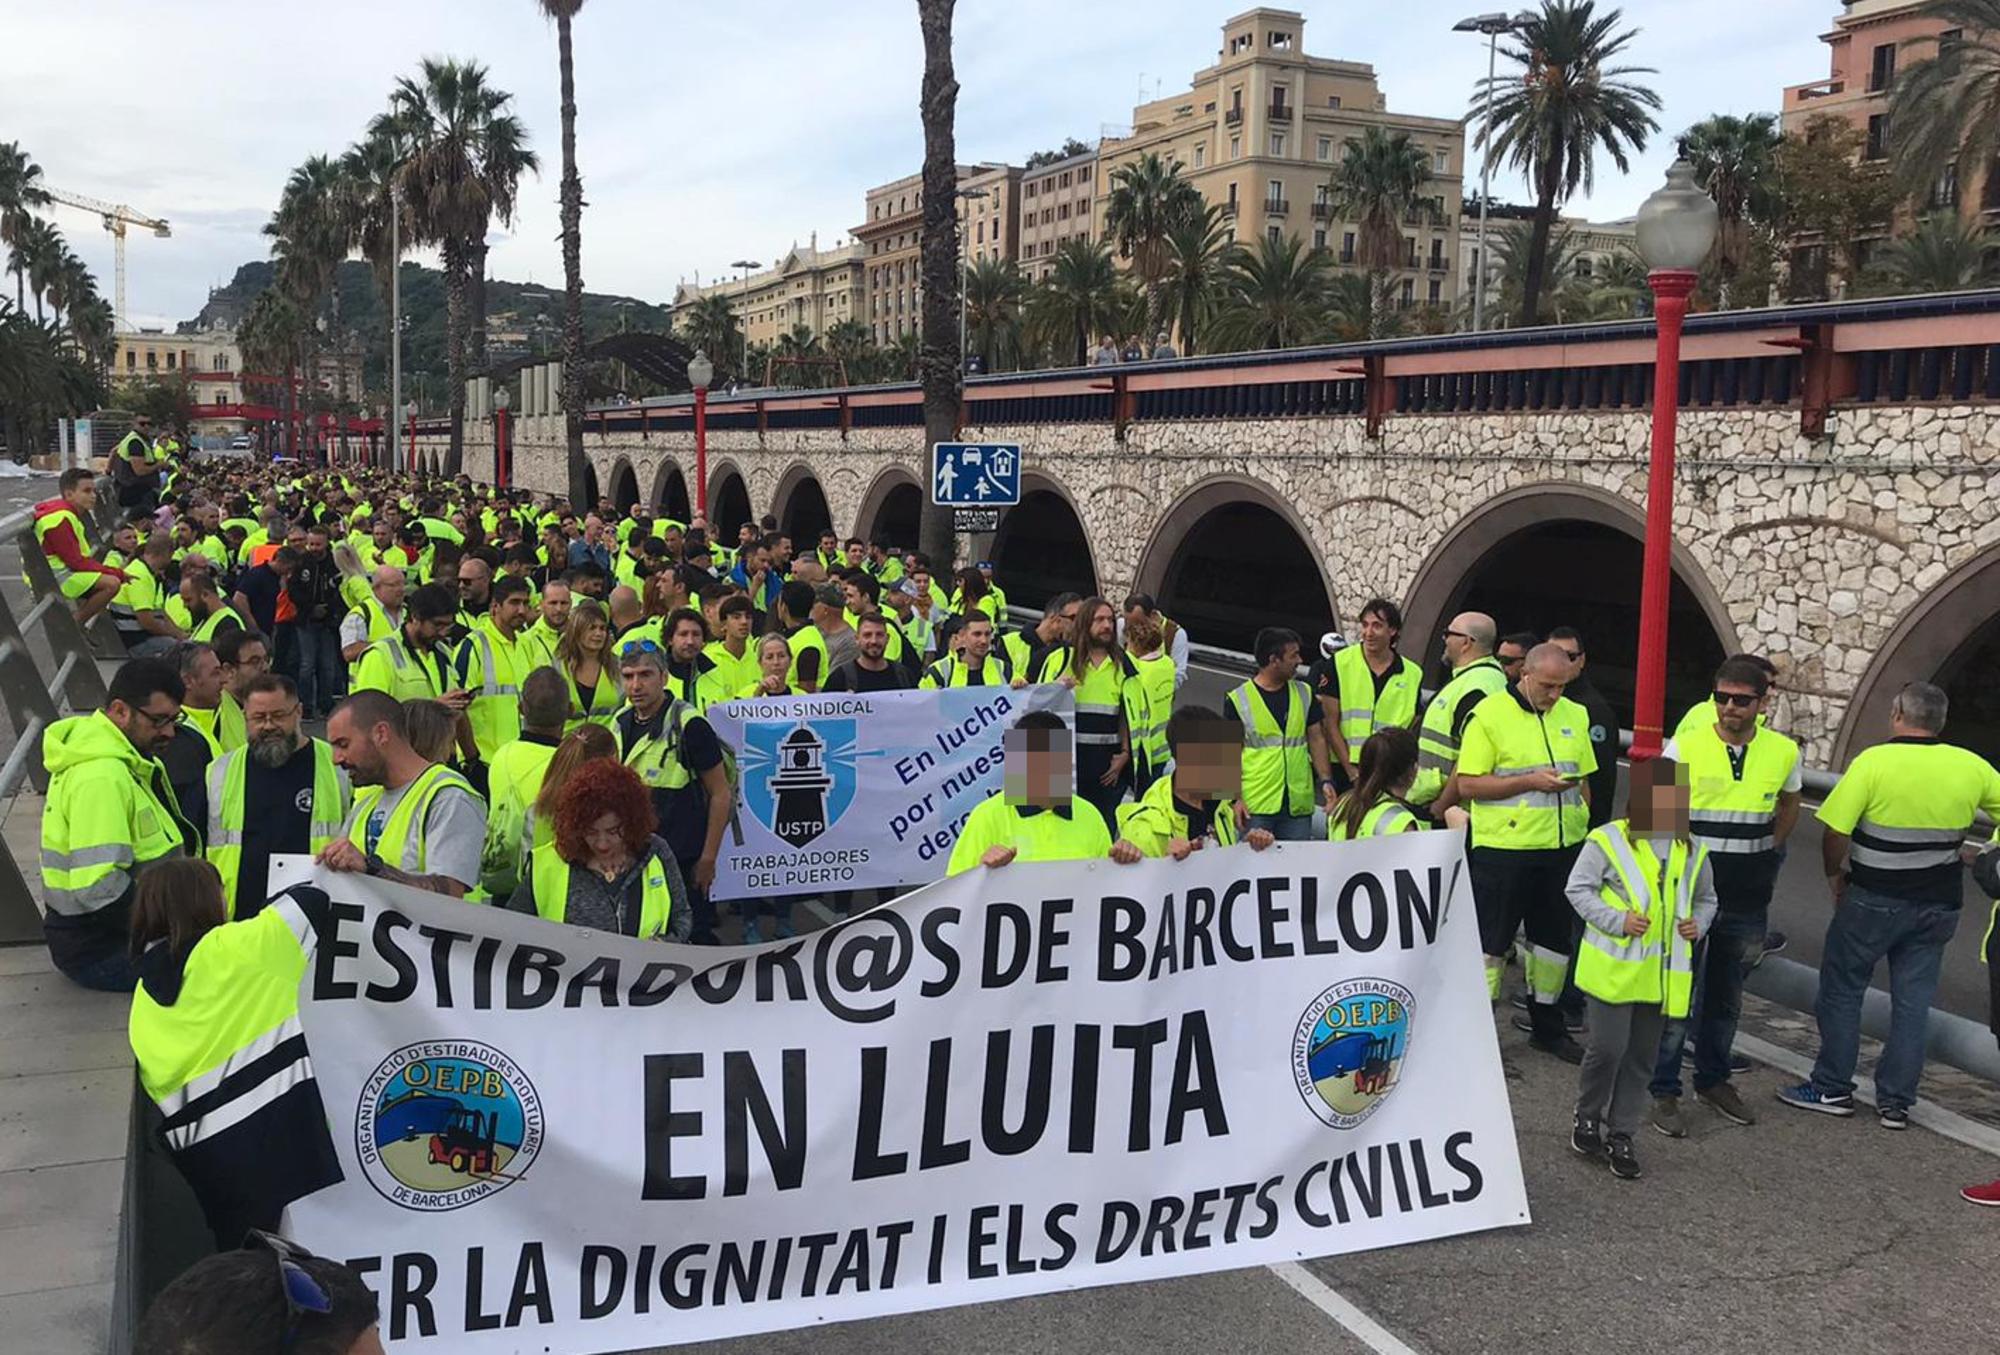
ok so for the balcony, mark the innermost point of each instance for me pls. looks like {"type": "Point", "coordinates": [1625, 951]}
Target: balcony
{"type": "Point", "coordinates": [1322, 211]}
{"type": "Point", "coordinates": [1276, 206]}
{"type": "Point", "coordinates": [1229, 207]}
{"type": "Point", "coordinates": [1232, 117]}
{"type": "Point", "coordinates": [1437, 265]}
{"type": "Point", "coordinates": [1279, 112]}
{"type": "Point", "coordinates": [1347, 258]}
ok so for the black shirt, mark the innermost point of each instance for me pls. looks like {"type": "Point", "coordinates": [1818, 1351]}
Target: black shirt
{"type": "Point", "coordinates": [1279, 703]}
{"type": "Point", "coordinates": [260, 587]}
{"type": "Point", "coordinates": [1604, 743]}
{"type": "Point", "coordinates": [852, 677]}
{"type": "Point", "coordinates": [277, 817]}
{"type": "Point", "coordinates": [315, 590]}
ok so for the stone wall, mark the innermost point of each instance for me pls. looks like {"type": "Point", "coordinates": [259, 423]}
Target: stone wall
{"type": "Point", "coordinates": [1808, 550]}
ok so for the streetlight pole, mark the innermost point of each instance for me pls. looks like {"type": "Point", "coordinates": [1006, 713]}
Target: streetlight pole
{"type": "Point", "coordinates": [503, 469]}
{"type": "Point", "coordinates": [411, 463]}
{"type": "Point", "coordinates": [1675, 229]}
{"type": "Point", "coordinates": [1492, 25]}
{"type": "Point", "coordinates": [965, 195]}
{"type": "Point", "coordinates": [700, 372]}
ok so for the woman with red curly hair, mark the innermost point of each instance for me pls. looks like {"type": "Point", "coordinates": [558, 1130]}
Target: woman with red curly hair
{"type": "Point", "coordinates": [605, 869]}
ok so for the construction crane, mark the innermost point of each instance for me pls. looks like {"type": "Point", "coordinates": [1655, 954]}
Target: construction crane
{"type": "Point", "coordinates": [116, 218]}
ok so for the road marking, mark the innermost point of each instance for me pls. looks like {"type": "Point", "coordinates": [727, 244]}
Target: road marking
{"type": "Point", "coordinates": [1341, 1309]}
{"type": "Point", "coordinates": [1937, 1119]}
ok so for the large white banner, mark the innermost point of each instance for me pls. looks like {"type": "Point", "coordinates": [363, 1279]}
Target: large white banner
{"type": "Point", "coordinates": [1037, 1078]}
{"type": "Point", "coordinates": [860, 791]}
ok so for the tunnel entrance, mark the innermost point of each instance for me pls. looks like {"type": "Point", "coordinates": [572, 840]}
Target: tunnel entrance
{"type": "Point", "coordinates": [896, 521]}
{"type": "Point", "coordinates": [670, 498]}
{"type": "Point", "coordinates": [803, 514]}
{"type": "Point", "coordinates": [1967, 678]}
{"type": "Point", "coordinates": [1586, 575]}
{"type": "Point", "coordinates": [729, 507]}
{"type": "Point", "coordinates": [1240, 567]}
{"type": "Point", "coordinates": [624, 487]}
{"type": "Point", "coordinates": [1040, 550]}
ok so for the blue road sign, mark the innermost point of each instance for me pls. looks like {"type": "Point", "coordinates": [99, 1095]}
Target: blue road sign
{"type": "Point", "coordinates": [976, 474]}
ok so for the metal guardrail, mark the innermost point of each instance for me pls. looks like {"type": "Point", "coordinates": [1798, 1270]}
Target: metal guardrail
{"type": "Point", "coordinates": [33, 701]}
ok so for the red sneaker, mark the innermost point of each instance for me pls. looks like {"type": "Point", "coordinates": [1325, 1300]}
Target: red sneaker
{"type": "Point", "coordinates": [1988, 1194]}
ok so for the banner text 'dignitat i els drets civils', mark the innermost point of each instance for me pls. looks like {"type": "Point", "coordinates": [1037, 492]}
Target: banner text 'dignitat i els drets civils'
{"type": "Point", "coordinates": [1014, 1081]}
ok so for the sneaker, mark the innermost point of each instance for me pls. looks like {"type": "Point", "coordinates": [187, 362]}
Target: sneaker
{"type": "Point", "coordinates": [1624, 1162]}
{"type": "Point", "coordinates": [1571, 1024]}
{"type": "Point", "coordinates": [1738, 1063]}
{"type": "Point", "coordinates": [1566, 1049]}
{"type": "Point", "coordinates": [1519, 1002]}
{"type": "Point", "coordinates": [1893, 1117]}
{"type": "Point", "coordinates": [751, 935]}
{"type": "Point", "coordinates": [1773, 943]}
{"type": "Point", "coordinates": [1807, 1097]}
{"type": "Point", "coordinates": [1667, 1117]}
{"type": "Point", "coordinates": [1587, 1138]}
{"type": "Point", "coordinates": [1987, 1195]}
{"type": "Point", "coordinates": [1723, 1100]}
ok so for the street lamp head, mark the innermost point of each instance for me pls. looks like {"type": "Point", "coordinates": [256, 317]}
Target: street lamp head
{"type": "Point", "coordinates": [501, 399]}
{"type": "Point", "coordinates": [1483, 23]}
{"type": "Point", "coordinates": [410, 410]}
{"type": "Point", "coordinates": [1677, 225]}
{"type": "Point", "coordinates": [700, 371]}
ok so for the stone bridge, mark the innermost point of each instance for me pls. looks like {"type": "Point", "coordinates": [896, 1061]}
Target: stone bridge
{"type": "Point", "coordinates": [1835, 506]}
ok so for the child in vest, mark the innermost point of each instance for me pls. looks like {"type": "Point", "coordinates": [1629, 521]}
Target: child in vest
{"type": "Point", "coordinates": [1646, 895]}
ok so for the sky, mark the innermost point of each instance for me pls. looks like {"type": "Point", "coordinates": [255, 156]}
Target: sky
{"type": "Point", "coordinates": [710, 133]}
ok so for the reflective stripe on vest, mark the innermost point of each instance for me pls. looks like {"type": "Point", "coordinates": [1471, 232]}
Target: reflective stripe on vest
{"type": "Point", "coordinates": [227, 778]}
{"type": "Point", "coordinates": [47, 523]}
{"type": "Point", "coordinates": [1362, 712]}
{"type": "Point", "coordinates": [550, 874]}
{"type": "Point", "coordinates": [656, 758]}
{"type": "Point", "coordinates": [1385, 819]}
{"type": "Point", "coordinates": [1437, 744]}
{"type": "Point", "coordinates": [1656, 966]}
{"type": "Point", "coordinates": [1277, 771]}
{"type": "Point", "coordinates": [398, 844]}
{"type": "Point", "coordinates": [1733, 803]}
{"type": "Point", "coordinates": [1884, 848]}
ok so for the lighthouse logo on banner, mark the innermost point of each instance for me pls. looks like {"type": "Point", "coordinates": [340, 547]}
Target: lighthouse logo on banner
{"type": "Point", "coordinates": [798, 776]}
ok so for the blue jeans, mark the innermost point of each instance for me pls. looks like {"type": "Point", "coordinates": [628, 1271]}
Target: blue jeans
{"type": "Point", "coordinates": [1867, 927]}
{"type": "Point", "coordinates": [1285, 827]}
{"type": "Point", "coordinates": [322, 675]}
{"type": "Point", "coordinates": [1717, 1003]}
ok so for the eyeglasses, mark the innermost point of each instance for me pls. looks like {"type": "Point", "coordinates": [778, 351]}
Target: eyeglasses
{"type": "Point", "coordinates": [1456, 635]}
{"type": "Point", "coordinates": [303, 1294]}
{"type": "Point", "coordinates": [1572, 654]}
{"type": "Point", "coordinates": [158, 721]}
{"type": "Point", "coordinates": [1745, 699]}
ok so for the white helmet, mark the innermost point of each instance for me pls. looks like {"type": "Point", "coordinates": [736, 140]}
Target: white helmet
{"type": "Point", "coordinates": [1330, 642]}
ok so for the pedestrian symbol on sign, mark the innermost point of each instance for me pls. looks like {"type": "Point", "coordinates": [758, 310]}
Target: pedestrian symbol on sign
{"type": "Point", "coordinates": [969, 474]}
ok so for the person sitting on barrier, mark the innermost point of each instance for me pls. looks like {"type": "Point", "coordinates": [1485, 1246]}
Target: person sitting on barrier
{"type": "Point", "coordinates": [1195, 804]}
{"type": "Point", "coordinates": [605, 868]}
{"type": "Point", "coordinates": [1646, 894]}
{"type": "Point", "coordinates": [1036, 816]}
{"type": "Point", "coordinates": [88, 582]}
{"type": "Point", "coordinates": [1378, 805]}
{"type": "Point", "coordinates": [271, 1295]}
{"type": "Point", "coordinates": [111, 813]}
{"type": "Point", "coordinates": [215, 1033]}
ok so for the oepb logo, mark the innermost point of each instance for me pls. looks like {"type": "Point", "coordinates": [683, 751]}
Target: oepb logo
{"type": "Point", "coordinates": [445, 1123]}
{"type": "Point", "coordinates": [1348, 1050]}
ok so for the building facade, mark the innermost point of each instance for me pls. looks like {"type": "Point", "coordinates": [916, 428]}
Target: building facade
{"type": "Point", "coordinates": [1594, 246]}
{"type": "Point", "coordinates": [1260, 131]}
{"type": "Point", "coordinates": [989, 215]}
{"type": "Point", "coordinates": [1058, 205]}
{"type": "Point", "coordinates": [810, 288]}
{"type": "Point", "coordinates": [890, 240]}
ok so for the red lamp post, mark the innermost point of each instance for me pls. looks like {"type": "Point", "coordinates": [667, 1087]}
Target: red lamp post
{"type": "Point", "coordinates": [503, 467]}
{"type": "Point", "coordinates": [411, 410]}
{"type": "Point", "coordinates": [1675, 229]}
{"type": "Point", "coordinates": [700, 372]}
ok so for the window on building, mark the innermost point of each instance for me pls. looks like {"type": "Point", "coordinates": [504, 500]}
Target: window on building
{"type": "Point", "coordinates": [1274, 190]}
{"type": "Point", "coordinates": [1440, 162]}
{"type": "Point", "coordinates": [1278, 144]}
{"type": "Point", "coordinates": [1062, 211]}
{"type": "Point", "coordinates": [1950, 38]}
{"type": "Point", "coordinates": [1409, 294]}
{"type": "Point", "coordinates": [1083, 174]}
{"type": "Point", "coordinates": [1062, 180]}
{"type": "Point", "coordinates": [1232, 197]}
{"type": "Point", "coordinates": [1436, 292]}
{"type": "Point", "coordinates": [152, 360]}
{"type": "Point", "coordinates": [1200, 154]}
{"type": "Point", "coordinates": [1437, 253]}
{"type": "Point", "coordinates": [1409, 251]}
{"type": "Point", "coordinates": [1319, 195]}
{"type": "Point", "coordinates": [1235, 148]}
{"type": "Point", "coordinates": [1585, 267]}
{"type": "Point", "coordinates": [170, 360]}
{"type": "Point", "coordinates": [1944, 193]}
{"type": "Point", "coordinates": [1325, 150]}
{"type": "Point", "coordinates": [1319, 237]}
{"type": "Point", "coordinates": [1878, 137]}
{"type": "Point", "coordinates": [131, 359]}
{"type": "Point", "coordinates": [1242, 42]}
{"type": "Point", "coordinates": [1882, 67]}
{"type": "Point", "coordinates": [1347, 246]}
{"type": "Point", "coordinates": [1333, 101]}
{"type": "Point", "coordinates": [1029, 192]}
{"type": "Point", "coordinates": [1274, 234]}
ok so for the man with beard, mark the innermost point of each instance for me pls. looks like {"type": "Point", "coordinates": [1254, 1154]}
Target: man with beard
{"type": "Point", "coordinates": [280, 793]}
{"type": "Point", "coordinates": [414, 822]}
{"type": "Point", "coordinates": [540, 639]}
{"type": "Point", "coordinates": [196, 743]}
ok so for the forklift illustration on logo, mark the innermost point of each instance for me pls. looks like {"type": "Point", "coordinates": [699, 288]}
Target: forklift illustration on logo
{"type": "Point", "coordinates": [465, 1143]}
{"type": "Point", "coordinates": [1367, 1057]}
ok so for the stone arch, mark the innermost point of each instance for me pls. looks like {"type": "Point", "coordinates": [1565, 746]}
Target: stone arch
{"type": "Point", "coordinates": [1602, 536]}
{"type": "Point", "coordinates": [624, 486]}
{"type": "Point", "coordinates": [1042, 548]}
{"type": "Point", "coordinates": [590, 489]}
{"type": "Point", "coordinates": [729, 504]}
{"type": "Point", "coordinates": [1230, 557]}
{"type": "Point", "coordinates": [1950, 637]}
{"type": "Point", "coordinates": [799, 503]}
{"type": "Point", "coordinates": [892, 507]}
{"type": "Point", "coordinates": [669, 498]}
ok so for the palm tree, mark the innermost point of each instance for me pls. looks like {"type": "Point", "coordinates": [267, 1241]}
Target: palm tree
{"type": "Point", "coordinates": [994, 293]}
{"type": "Point", "coordinates": [444, 116]}
{"type": "Point", "coordinates": [799, 349]}
{"type": "Point", "coordinates": [1943, 254]}
{"type": "Point", "coordinates": [709, 324]}
{"type": "Point", "coordinates": [1199, 257]}
{"type": "Point", "coordinates": [21, 194]}
{"type": "Point", "coordinates": [1148, 199]}
{"type": "Point", "coordinates": [849, 343]}
{"type": "Point", "coordinates": [312, 232]}
{"type": "Point", "coordinates": [1946, 111]}
{"type": "Point", "coordinates": [41, 379]}
{"type": "Point", "coordinates": [368, 173]}
{"type": "Point", "coordinates": [942, 364]}
{"type": "Point", "coordinates": [36, 254]}
{"type": "Point", "coordinates": [1566, 102]}
{"type": "Point", "coordinates": [571, 198]}
{"type": "Point", "coordinates": [1362, 306]}
{"type": "Point", "coordinates": [269, 337]}
{"type": "Point", "coordinates": [1735, 159]}
{"type": "Point", "coordinates": [1079, 298]}
{"type": "Point", "coordinates": [1511, 243]}
{"type": "Point", "coordinates": [1377, 184]}
{"type": "Point", "coordinates": [1277, 296]}
{"type": "Point", "coordinates": [504, 158]}
{"type": "Point", "coordinates": [94, 329]}
{"type": "Point", "coordinates": [1615, 290]}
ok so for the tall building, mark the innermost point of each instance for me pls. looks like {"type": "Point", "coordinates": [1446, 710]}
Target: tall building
{"type": "Point", "coordinates": [1058, 205]}
{"type": "Point", "coordinates": [1867, 43]}
{"type": "Point", "coordinates": [809, 287]}
{"type": "Point", "coordinates": [1260, 131]}
{"type": "Point", "coordinates": [891, 240]}
{"type": "Point", "coordinates": [989, 214]}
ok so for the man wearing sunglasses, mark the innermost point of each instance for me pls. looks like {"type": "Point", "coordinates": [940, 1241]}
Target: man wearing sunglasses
{"type": "Point", "coordinates": [111, 813]}
{"type": "Point", "coordinates": [271, 1295]}
{"type": "Point", "coordinates": [1744, 782]}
